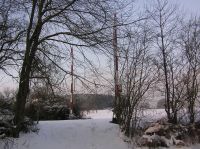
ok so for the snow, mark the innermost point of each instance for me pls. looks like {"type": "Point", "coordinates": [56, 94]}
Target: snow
{"type": "Point", "coordinates": [153, 115]}
{"type": "Point", "coordinates": [97, 133]}
{"type": "Point", "coordinates": [94, 133]}
{"type": "Point", "coordinates": [154, 129]}
{"type": "Point", "coordinates": [100, 114]}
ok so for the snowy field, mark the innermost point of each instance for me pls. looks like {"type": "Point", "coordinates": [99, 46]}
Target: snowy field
{"type": "Point", "coordinates": [99, 114]}
{"type": "Point", "coordinates": [97, 133]}
{"type": "Point", "coordinates": [94, 133]}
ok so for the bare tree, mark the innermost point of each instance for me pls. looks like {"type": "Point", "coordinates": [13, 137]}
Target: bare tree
{"type": "Point", "coordinates": [137, 75]}
{"type": "Point", "coordinates": [11, 32]}
{"type": "Point", "coordinates": [51, 23]}
{"type": "Point", "coordinates": [190, 45]}
{"type": "Point", "coordinates": [164, 20]}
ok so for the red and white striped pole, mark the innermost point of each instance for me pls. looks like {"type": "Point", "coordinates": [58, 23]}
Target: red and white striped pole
{"type": "Point", "coordinates": [116, 73]}
{"type": "Point", "coordinates": [72, 82]}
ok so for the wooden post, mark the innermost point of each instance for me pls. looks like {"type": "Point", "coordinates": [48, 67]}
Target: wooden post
{"type": "Point", "coordinates": [72, 83]}
{"type": "Point", "coordinates": [116, 73]}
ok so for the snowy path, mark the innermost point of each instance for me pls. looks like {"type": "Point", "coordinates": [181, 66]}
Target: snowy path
{"type": "Point", "coordinates": [74, 134]}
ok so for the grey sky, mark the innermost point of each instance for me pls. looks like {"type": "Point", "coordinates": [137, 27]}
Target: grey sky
{"type": "Point", "coordinates": [189, 6]}
{"type": "Point", "coordinates": [192, 6]}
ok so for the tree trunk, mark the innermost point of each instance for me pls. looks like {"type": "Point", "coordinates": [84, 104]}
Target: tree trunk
{"type": "Point", "coordinates": [32, 41]}
{"type": "Point", "coordinates": [24, 84]}
{"type": "Point", "coordinates": [21, 97]}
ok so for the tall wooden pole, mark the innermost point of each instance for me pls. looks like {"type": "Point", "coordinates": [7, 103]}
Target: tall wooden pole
{"type": "Point", "coordinates": [116, 73]}
{"type": "Point", "coordinates": [72, 82]}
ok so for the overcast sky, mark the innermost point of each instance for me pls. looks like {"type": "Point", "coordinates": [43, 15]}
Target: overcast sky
{"type": "Point", "coordinates": [192, 6]}
{"type": "Point", "coordinates": [188, 6]}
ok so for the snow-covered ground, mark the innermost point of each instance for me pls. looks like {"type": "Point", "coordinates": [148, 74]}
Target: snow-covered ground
{"type": "Point", "coordinates": [99, 114]}
{"type": "Point", "coordinates": [94, 133]}
{"type": "Point", "coordinates": [72, 134]}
